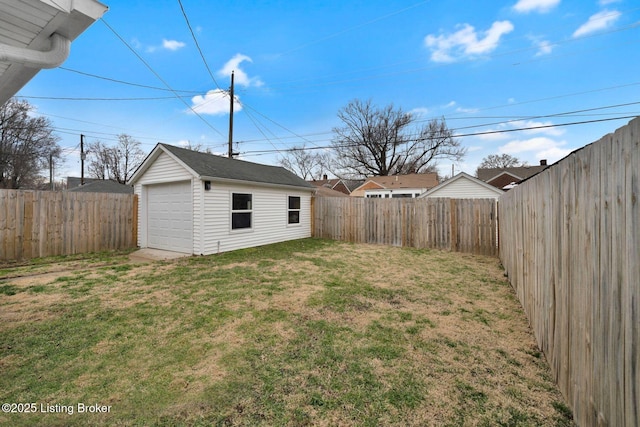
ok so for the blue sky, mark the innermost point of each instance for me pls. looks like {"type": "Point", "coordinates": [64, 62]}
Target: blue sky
{"type": "Point", "coordinates": [482, 66]}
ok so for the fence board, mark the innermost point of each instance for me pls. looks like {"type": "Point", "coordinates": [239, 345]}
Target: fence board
{"type": "Point", "coordinates": [40, 223]}
{"type": "Point", "coordinates": [569, 241]}
{"type": "Point", "coordinates": [466, 225]}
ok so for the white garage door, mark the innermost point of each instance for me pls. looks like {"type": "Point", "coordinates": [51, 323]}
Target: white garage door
{"type": "Point", "coordinates": [169, 217]}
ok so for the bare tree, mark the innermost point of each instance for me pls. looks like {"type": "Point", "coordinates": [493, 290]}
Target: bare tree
{"type": "Point", "coordinates": [307, 164]}
{"type": "Point", "coordinates": [27, 146]}
{"type": "Point", "coordinates": [500, 161]}
{"type": "Point", "coordinates": [197, 147]}
{"type": "Point", "coordinates": [387, 141]}
{"type": "Point", "coordinates": [100, 159]}
{"type": "Point", "coordinates": [118, 162]}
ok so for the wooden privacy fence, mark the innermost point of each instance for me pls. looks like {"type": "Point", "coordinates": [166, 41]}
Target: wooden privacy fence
{"type": "Point", "coordinates": [462, 225]}
{"type": "Point", "coordinates": [569, 240]}
{"type": "Point", "coordinates": [42, 223]}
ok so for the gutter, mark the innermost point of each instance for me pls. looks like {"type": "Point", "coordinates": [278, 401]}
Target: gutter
{"type": "Point", "coordinates": [52, 58]}
{"type": "Point", "coordinates": [256, 183]}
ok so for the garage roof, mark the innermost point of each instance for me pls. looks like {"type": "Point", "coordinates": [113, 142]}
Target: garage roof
{"type": "Point", "coordinates": [211, 167]}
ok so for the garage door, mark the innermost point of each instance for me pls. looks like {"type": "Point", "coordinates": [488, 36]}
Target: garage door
{"type": "Point", "coordinates": [169, 217]}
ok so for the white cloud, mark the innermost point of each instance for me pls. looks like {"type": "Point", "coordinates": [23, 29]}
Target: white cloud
{"type": "Point", "coordinates": [466, 42]}
{"type": "Point", "coordinates": [544, 47]}
{"type": "Point", "coordinates": [606, 2]}
{"type": "Point", "coordinates": [499, 134]}
{"type": "Point", "coordinates": [420, 112]}
{"type": "Point", "coordinates": [544, 127]}
{"type": "Point", "coordinates": [541, 147]}
{"type": "Point", "coordinates": [215, 102]}
{"type": "Point", "coordinates": [600, 21]}
{"type": "Point", "coordinates": [240, 77]}
{"type": "Point", "coordinates": [542, 6]}
{"type": "Point", "coordinates": [172, 44]}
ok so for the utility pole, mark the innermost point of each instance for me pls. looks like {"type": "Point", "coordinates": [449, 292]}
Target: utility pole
{"type": "Point", "coordinates": [82, 157]}
{"type": "Point", "coordinates": [231, 120]}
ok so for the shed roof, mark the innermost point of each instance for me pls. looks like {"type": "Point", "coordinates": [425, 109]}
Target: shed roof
{"type": "Point", "coordinates": [210, 166]}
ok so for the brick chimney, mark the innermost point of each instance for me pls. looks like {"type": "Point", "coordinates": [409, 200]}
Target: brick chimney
{"type": "Point", "coordinates": [325, 175]}
{"type": "Point", "coordinates": [543, 162]}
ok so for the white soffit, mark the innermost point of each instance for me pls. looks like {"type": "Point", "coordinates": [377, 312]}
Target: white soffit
{"type": "Point", "coordinates": [26, 42]}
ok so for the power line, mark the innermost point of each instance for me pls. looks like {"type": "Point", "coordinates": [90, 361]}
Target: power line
{"type": "Point", "coordinates": [62, 98]}
{"type": "Point", "coordinates": [95, 76]}
{"type": "Point", "coordinates": [355, 27]}
{"type": "Point", "coordinates": [186, 18]}
{"type": "Point", "coordinates": [158, 76]}
{"type": "Point", "coordinates": [456, 135]}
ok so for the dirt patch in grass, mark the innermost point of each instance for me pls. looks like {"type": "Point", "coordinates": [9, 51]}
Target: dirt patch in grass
{"type": "Point", "coordinates": [310, 332]}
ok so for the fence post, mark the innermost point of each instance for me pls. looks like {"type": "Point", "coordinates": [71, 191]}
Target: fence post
{"type": "Point", "coordinates": [453, 224]}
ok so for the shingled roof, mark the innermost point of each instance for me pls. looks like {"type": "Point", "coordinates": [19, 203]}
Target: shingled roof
{"type": "Point", "coordinates": [100, 186]}
{"type": "Point", "coordinates": [522, 172]}
{"type": "Point", "coordinates": [210, 166]}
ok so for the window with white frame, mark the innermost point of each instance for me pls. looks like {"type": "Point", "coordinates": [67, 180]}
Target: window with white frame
{"type": "Point", "coordinates": [241, 210]}
{"type": "Point", "coordinates": [294, 210]}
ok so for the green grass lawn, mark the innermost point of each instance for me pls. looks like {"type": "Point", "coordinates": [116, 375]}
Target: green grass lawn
{"type": "Point", "coordinates": [309, 332]}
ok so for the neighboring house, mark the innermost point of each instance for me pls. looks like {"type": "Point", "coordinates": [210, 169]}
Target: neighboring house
{"type": "Point", "coordinates": [345, 186]}
{"type": "Point", "coordinates": [335, 184]}
{"type": "Point", "coordinates": [395, 186]}
{"type": "Point", "coordinates": [199, 203]}
{"type": "Point", "coordinates": [92, 185]}
{"type": "Point", "coordinates": [327, 192]}
{"type": "Point", "coordinates": [37, 34]}
{"type": "Point", "coordinates": [509, 177]}
{"type": "Point", "coordinates": [464, 186]}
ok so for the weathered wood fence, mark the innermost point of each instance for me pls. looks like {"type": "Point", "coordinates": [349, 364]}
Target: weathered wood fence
{"type": "Point", "coordinates": [462, 225]}
{"type": "Point", "coordinates": [41, 223]}
{"type": "Point", "coordinates": [569, 240]}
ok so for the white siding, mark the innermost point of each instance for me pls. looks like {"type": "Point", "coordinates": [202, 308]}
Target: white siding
{"type": "Point", "coordinates": [164, 169]}
{"type": "Point", "coordinates": [464, 189]}
{"type": "Point", "coordinates": [212, 225]}
{"type": "Point", "coordinates": [269, 220]}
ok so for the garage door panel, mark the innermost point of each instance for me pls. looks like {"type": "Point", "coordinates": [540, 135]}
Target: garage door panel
{"type": "Point", "coordinates": [169, 217]}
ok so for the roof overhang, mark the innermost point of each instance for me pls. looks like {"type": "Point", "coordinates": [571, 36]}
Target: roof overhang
{"type": "Point", "coordinates": [36, 34]}
{"type": "Point", "coordinates": [151, 157]}
{"type": "Point", "coordinates": [256, 184]}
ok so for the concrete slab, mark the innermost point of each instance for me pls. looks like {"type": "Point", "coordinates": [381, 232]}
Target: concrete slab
{"type": "Point", "coordinates": [150, 255]}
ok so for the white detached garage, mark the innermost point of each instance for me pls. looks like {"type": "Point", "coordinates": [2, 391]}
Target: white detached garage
{"type": "Point", "coordinates": [199, 203]}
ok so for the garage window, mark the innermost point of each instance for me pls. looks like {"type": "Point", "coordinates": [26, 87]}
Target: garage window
{"type": "Point", "coordinates": [241, 210]}
{"type": "Point", "coordinates": [294, 210]}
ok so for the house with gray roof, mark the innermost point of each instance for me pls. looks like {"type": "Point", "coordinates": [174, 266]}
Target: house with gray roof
{"type": "Point", "coordinates": [202, 204]}
{"type": "Point", "coordinates": [92, 185]}
{"type": "Point", "coordinates": [506, 178]}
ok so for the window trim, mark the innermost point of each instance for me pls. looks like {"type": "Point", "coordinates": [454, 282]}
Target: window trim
{"type": "Point", "coordinates": [289, 210]}
{"type": "Point", "coordinates": [238, 211]}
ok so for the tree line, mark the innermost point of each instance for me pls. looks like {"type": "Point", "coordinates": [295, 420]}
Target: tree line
{"type": "Point", "coordinates": [28, 147]}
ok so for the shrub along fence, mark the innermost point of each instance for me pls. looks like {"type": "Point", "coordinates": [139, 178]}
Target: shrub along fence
{"type": "Point", "coordinates": [570, 239]}
{"type": "Point", "coordinates": [462, 225]}
{"type": "Point", "coordinates": [42, 223]}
